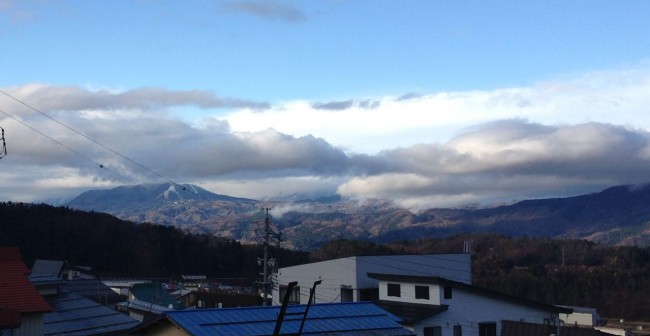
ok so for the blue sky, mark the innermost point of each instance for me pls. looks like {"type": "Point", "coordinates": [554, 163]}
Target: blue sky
{"type": "Point", "coordinates": [316, 50]}
{"type": "Point", "coordinates": [360, 98]}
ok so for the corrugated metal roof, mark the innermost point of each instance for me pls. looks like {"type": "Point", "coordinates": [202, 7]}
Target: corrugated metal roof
{"type": "Point", "coordinates": [92, 289]}
{"type": "Point", "coordinates": [76, 315]}
{"type": "Point", "coordinates": [16, 292]}
{"type": "Point", "coordinates": [352, 318]}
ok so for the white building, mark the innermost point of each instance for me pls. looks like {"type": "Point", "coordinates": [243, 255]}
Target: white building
{"type": "Point", "coordinates": [346, 279]}
{"type": "Point", "coordinates": [581, 317]}
{"type": "Point", "coordinates": [434, 306]}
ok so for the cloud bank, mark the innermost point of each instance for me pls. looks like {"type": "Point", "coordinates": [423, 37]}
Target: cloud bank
{"type": "Point", "coordinates": [553, 139]}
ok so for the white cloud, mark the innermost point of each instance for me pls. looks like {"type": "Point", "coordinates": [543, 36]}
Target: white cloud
{"type": "Point", "coordinates": [558, 138]}
{"type": "Point", "coordinates": [617, 97]}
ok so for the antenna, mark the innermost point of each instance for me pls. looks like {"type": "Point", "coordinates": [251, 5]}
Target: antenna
{"type": "Point", "coordinates": [467, 247]}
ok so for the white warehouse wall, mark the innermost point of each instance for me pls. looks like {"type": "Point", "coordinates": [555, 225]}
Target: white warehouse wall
{"type": "Point", "coordinates": [352, 272]}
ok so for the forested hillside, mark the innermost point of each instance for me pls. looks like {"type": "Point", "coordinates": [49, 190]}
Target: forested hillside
{"type": "Point", "coordinates": [618, 215]}
{"type": "Point", "coordinates": [115, 247]}
{"type": "Point", "coordinates": [615, 280]}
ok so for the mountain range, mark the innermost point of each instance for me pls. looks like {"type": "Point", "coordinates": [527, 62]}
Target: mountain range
{"type": "Point", "coordinates": [619, 215]}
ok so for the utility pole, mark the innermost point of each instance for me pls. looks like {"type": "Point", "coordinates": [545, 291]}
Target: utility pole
{"type": "Point", "coordinates": [268, 263]}
{"type": "Point", "coordinates": [267, 234]}
{"type": "Point", "coordinates": [3, 148]}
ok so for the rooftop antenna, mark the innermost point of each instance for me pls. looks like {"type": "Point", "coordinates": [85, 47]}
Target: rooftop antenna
{"type": "Point", "coordinates": [3, 150]}
{"type": "Point", "coordinates": [467, 247]}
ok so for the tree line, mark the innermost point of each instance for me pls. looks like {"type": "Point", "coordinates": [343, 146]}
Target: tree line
{"type": "Point", "coordinates": [613, 279]}
{"type": "Point", "coordinates": [114, 247]}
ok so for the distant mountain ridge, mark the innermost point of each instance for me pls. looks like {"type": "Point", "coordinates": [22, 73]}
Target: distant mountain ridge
{"type": "Point", "coordinates": [144, 196]}
{"type": "Point", "coordinates": [619, 215]}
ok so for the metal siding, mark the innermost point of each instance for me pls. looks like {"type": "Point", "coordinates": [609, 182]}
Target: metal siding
{"type": "Point", "coordinates": [468, 310]}
{"type": "Point", "coordinates": [333, 274]}
{"type": "Point", "coordinates": [31, 325]}
{"type": "Point", "coordinates": [352, 271]}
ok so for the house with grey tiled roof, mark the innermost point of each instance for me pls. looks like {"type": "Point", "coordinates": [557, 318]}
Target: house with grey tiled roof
{"type": "Point", "coordinates": [61, 269]}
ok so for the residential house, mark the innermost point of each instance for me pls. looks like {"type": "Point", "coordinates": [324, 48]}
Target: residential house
{"type": "Point", "coordinates": [435, 306]}
{"type": "Point", "coordinates": [198, 299]}
{"type": "Point", "coordinates": [330, 319]}
{"type": "Point", "coordinates": [346, 279]}
{"type": "Point", "coordinates": [582, 317]}
{"type": "Point", "coordinates": [21, 306]}
{"type": "Point", "coordinates": [123, 287]}
{"type": "Point", "coordinates": [61, 269]}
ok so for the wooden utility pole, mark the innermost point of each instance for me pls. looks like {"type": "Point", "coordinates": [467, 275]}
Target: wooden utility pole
{"type": "Point", "coordinates": [3, 146]}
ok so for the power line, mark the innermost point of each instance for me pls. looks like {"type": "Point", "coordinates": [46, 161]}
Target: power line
{"type": "Point", "coordinates": [63, 145]}
{"type": "Point", "coordinates": [88, 138]}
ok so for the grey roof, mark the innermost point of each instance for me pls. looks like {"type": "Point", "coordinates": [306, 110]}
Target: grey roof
{"type": "Point", "coordinates": [73, 314]}
{"type": "Point", "coordinates": [411, 313]}
{"type": "Point", "coordinates": [47, 267]}
{"type": "Point", "coordinates": [93, 289]}
{"type": "Point", "coordinates": [45, 279]}
{"type": "Point", "coordinates": [145, 306]}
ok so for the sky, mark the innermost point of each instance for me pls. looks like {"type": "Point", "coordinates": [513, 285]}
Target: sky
{"type": "Point", "coordinates": [424, 103]}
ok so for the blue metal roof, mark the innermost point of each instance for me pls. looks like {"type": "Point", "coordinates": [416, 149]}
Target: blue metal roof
{"type": "Point", "coordinates": [350, 319]}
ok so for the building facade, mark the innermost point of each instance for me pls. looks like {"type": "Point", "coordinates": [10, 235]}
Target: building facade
{"type": "Point", "coordinates": [346, 279]}
{"type": "Point", "coordinates": [434, 306]}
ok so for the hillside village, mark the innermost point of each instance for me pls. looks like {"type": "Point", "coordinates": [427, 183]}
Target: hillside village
{"type": "Point", "coordinates": [324, 168]}
{"type": "Point", "coordinates": [392, 295]}
{"type": "Point", "coordinates": [71, 272]}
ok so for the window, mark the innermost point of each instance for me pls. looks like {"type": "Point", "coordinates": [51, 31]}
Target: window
{"type": "Point", "coordinates": [393, 289]}
{"type": "Point", "coordinates": [368, 294]}
{"type": "Point", "coordinates": [458, 330]}
{"type": "Point", "coordinates": [487, 329]}
{"type": "Point", "coordinates": [422, 292]}
{"type": "Point", "coordinates": [432, 331]}
{"type": "Point", "coordinates": [295, 294]}
{"type": "Point", "coordinates": [346, 294]}
{"type": "Point", "coordinates": [447, 292]}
